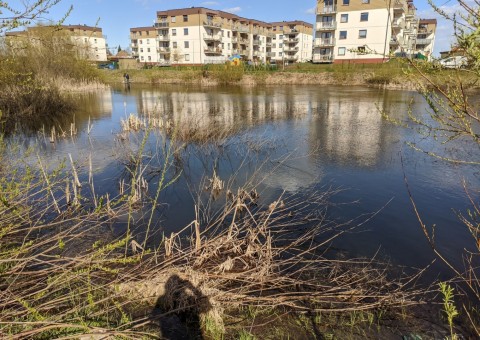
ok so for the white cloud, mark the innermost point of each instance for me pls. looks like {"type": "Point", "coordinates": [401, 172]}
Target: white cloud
{"type": "Point", "coordinates": [310, 10]}
{"type": "Point", "coordinates": [233, 9]}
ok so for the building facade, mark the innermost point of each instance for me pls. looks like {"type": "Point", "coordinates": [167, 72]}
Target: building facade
{"type": "Point", "coordinates": [199, 35]}
{"type": "Point", "coordinates": [369, 31]}
{"type": "Point", "coordinates": [144, 44]}
{"type": "Point", "coordinates": [89, 42]}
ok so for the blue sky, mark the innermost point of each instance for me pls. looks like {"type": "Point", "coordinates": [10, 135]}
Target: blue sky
{"type": "Point", "coordinates": [117, 17]}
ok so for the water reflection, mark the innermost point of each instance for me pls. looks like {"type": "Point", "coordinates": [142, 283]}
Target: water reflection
{"type": "Point", "coordinates": [305, 137]}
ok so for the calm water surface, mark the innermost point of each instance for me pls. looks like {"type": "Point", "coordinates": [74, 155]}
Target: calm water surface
{"type": "Point", "coordinates": [313, 136]}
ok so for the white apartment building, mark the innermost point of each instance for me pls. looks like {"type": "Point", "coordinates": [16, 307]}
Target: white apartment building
{"type": "Point", "coordinates": [367, 31]}
{"type": "Point", "coordinates": [144, 44]}
{"type": "Point", "coordinates": [199, 35]}
{"type": "Point", "coordinates": [89, 41]}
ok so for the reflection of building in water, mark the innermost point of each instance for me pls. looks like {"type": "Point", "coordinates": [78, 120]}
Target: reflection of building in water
{"type": "Point", "coordinates": [223, 111]}
{"type": "Point", "coordinates": [351, 129]}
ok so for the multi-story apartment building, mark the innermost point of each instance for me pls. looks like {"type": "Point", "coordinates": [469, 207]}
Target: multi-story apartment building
{"type": "Point", "coordinates": [426, 36]}
{"type": "Point", "coordinates": [200, 35]}
{"type": "Point", "coordinates": [89, 41]}
{"type": "Point", "coordinates": [292, 41]}
{"type": "Point", "coordinates": [367, 31]}
{"type": "Point", "coordinates": [144, 44]}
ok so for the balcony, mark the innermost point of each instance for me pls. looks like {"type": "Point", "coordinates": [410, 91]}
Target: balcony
{"type": "Point", "coordinates": [268, 44]}
{"type": "Point", "coordinates": [234, 40]}
{"type": "Point", "coordinates": [256, 42]}
{"type": "Point", "coordinates": [241, 29]}
{"type": "Point", "coordinates": [400, 6]}
{"type": "Point", "coordinates": [257, 53]}
{"type": "Point", "coordinates": [320, 42]}
{"type": "Point", "coordinates": [163, 50]}
{"type": "Point", "coordinates": [163, 38]}
{"type": "Point", "coordinates": [134, 45]}
{"type": "Point", "coordinates": [290, 58]}
{"type": "Point", "coordinates": [161, 24]}
{"type": "Point", "coordinates": [423, 41]}
{"type": "Point", "coordinates": [213, 50]}
{"type": "Point", "coordinates": [243, 52]}
{"type": "Point", "coordinates": [326, 26]}
{"type": "Point", "coordinates": [212, 37]}
{"type": "Point", "coordinates": [270, 54]}
{"type": "Point", "coordinates": [290, 48]}
{"type": "Point", "coordinates": [394, 42]}
{"type": "Point", "coordinates": [326, 9]}
{"type": "Point", "coordinates": [243, 41]}
{"type": "Point", "coordinates": [322, 58]}
{"type": "Point", "coordinates": [287, 40]}
{"type": "Point", "coordinates": [212, 24]}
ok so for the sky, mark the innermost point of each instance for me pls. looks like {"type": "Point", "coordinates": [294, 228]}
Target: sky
{"type": "Point", "coordinates": [116, 17]}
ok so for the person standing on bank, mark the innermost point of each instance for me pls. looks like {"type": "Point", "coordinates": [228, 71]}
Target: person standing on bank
{"type": "Point", "coordinates": [126, 78]}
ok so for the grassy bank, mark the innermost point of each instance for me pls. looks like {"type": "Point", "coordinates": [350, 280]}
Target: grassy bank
{"type": "Point", "coordinates": [394, 74]}
{"type": "Point", "coordinates": [35, 75]}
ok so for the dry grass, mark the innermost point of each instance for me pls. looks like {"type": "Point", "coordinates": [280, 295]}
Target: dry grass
{"type": "Point", "coordinates": [64, 273]}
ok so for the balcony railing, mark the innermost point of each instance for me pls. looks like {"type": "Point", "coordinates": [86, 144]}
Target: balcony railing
{"type": "Point", "coordinates": [163, 38]}
{"type": "Point", "coordinates": [213, 37]}
{"type": "Point", "coordinates": [240, 28]}
{"type": "Point", "coordinates": [243, 41]}
{"type": "Point", "coordinates": [394, 42]}
{"type": "Point", "coordinates": [287, 39]}
{"type": "Point", "coordinates": [211, 23]}
{"type": "Point", "coordinates": [326, 9]}
{"type": "Point", "coordinates": [243, 52]}
{"type": "Point", "coordinates": [326, 26]}
{"type": "Point", "coordinates": [270, 54]}
{"type": "Point", "coordinates": [325, 41]}
{"type": "Point", "coordinates": [161, 24]}
{"type": "Point", "coordinates": [257, 42]}
{"type": "Point", "coordinates": [213, 50]}
{"type": "Point", "coordinates": [290, 48]}
{"type": "Point", "coordinates": [400, 5]}
{"type": "Point", "coordinates": [322, 58]}
{"type": "Point", "coordinates": [290, 57]}
{"type": "Point", "coordinates": [423, 41]}
{"type": "Point", "coordinates": [257, 53]}
{"type": "Point", "coordinates": [163, 50]}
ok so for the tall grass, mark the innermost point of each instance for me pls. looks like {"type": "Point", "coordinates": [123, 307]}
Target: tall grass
{"type": "Point", "coordinates": [34, 72]}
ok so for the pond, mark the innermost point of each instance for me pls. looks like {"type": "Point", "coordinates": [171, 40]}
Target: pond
{"type": "Point", "coordinates": [289, 140]}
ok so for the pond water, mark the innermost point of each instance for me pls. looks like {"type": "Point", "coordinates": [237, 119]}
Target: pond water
{"type": "Point", "coordinates": [294, 139]}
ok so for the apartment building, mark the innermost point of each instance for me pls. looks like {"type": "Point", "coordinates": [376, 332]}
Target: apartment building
{"type": "Point", "coordinates": [426, 36]}
{"type": "Point", "coordinates": [368, 31]}
{"type": "Point", "coordinates": [199, 35]}
{"type": "Point", "coordinates": [144, 44]}
{"type": "Point", "coordinates": [89, 41]}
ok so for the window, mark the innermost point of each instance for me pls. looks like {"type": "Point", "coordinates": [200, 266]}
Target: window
{"type": "Point", "coordinates": [148, 41]}
{"type": "Point", "coordinates": [222, 33]}
{"type": "Point", "coordinates": [185, 18]}
{"type": "Point", "coordinates": [187, 57]}
{"type": "Point", "coordinates": [341, 50]}
{"type": "Point", "coordinates": [228, 34]}
{"type": "Point", "coordinates": [344, 18]}
{"type": "Point", "coordinates": [148, 49]}
{"type": "Point", "coordinates": [346, 2]}
{"type": "Point", "coordinates": [185, 31]}
{"type": "Point", "coordinates": [364, 16]}
{"type": "Point", "coordinates": [343, 34]}
{"type": "Point", "coordinates": [280, 37]}
{"type": "Point", "coordinates": [280, 54]}
{"type": "Point", "coordinates": [281, 28]}
{"type": "Point", "coordinates": [148, 32]}
{"type": "Point", "coordinates": [142, 58]}
{"type": "Point", "coordinates": [274, 45]}
{"type": "Point", "coordinates": [174, 31]}
{"type": "Point", "coordinates": [280, 45]}
{"type": "Point", "coordinates": [95, 40]}
{"type": "Point", "coordinates": [186, 44]}
{"type": "Point", "coordinates": [174, 19]}
{"type": "Point", "coordinates": [149, 58]}
{"type": "Point", "coordinates": [362, 34]}
{"type": "Point", "coordinates": [365, 1]}
{"type": "Point", "coordinates": [141, 41]}
{"type": "Point", "coordinates": [174, 44]}
{"type": "Point", "coordinates": [141, 50]}
{"type": "Point", "coordinates": [228, 45]}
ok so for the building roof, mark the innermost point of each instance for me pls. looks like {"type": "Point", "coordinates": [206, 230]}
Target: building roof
{"type": "Point", "coordinates": [295, 22]}
{"type": "Point", "coordinates": [427, 21]}
{"type": "Point", "coordinates": [223, 14]}
{"type": "Point", "coordinates": [146, 28]}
